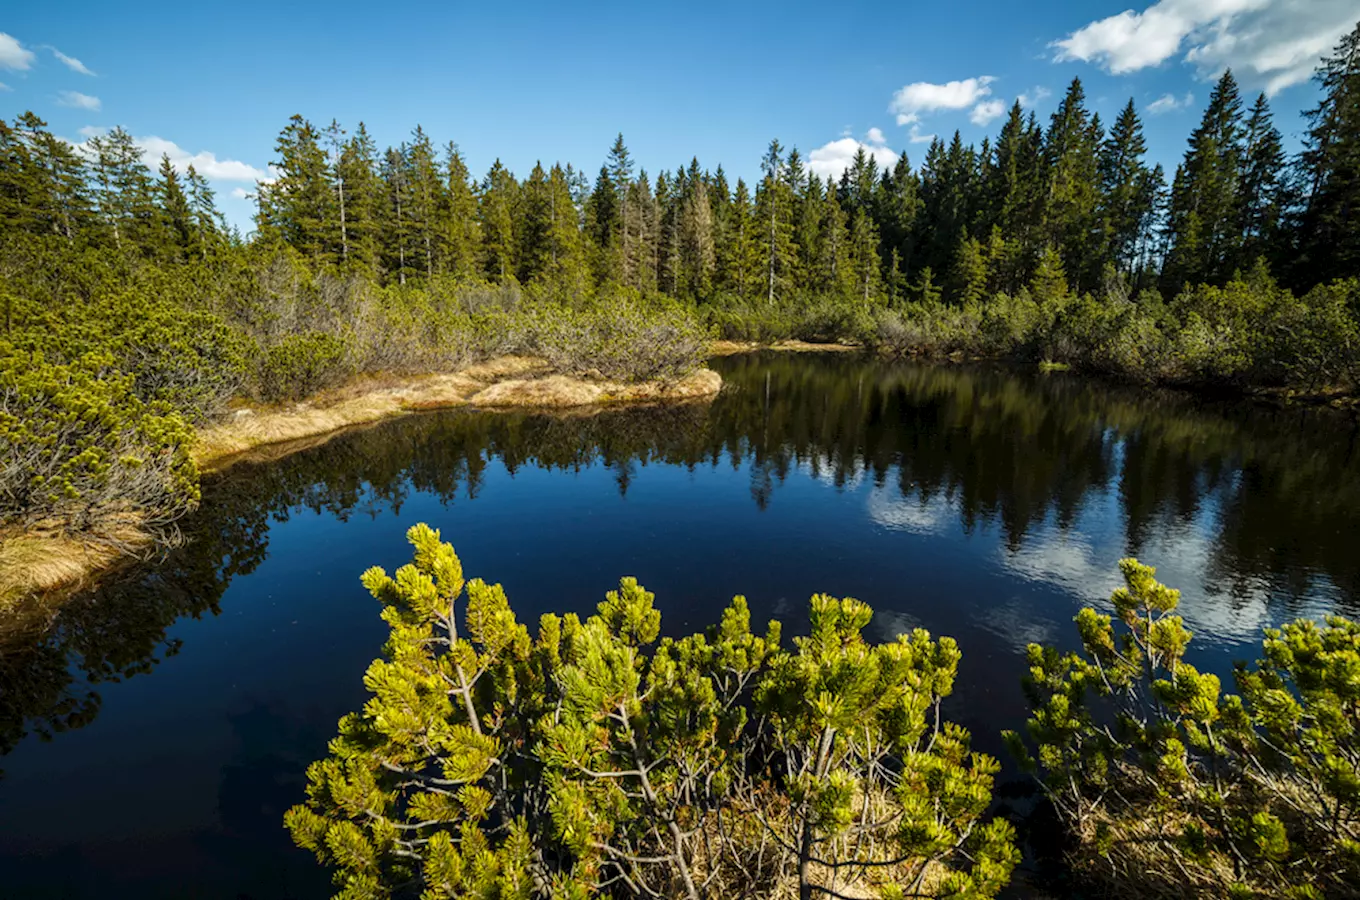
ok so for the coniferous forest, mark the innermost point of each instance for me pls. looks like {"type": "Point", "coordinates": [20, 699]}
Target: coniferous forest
{"type": "Point", "coordinates": [132, 313]}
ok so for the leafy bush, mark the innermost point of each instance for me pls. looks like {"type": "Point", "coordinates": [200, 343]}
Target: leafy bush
{"type": "Point", "coordinates": [592, 761]}
{"type": "Point", "coordinates": [622, 340]}
{"type": "Point", "coordinates": [300, 365]}
{"type": "Point", "coordinates": [78, 447]}
{"type": "Point", "coordinates": [1170, 786]}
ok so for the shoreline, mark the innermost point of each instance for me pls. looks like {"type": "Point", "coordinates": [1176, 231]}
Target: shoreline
{"type": "Point", "coordinates": [38, 569]}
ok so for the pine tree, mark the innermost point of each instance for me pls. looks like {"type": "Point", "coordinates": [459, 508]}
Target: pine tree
{"type": "Point", "coordinates": [297, 206]}
{"type": "Point", "coordinates": [427, 200]}
{"type": "Point", "coordinates": [620, 170]}
{"type": "Point", "coordinates": [126, 190]}
{"type": "Point", "coordinates": [397, 230]}
{"type": "Point", "coordinates": [209, 226]}
{"type": "Point", "coordinates": [1127, 199]}
{"type": "Point", "coordinates": [460, 240]}
{"type": "Point", "coordinates": [1262, 184]}
{"type": "Point", "coordinates": [176, 233]}
{"type": "Point", "coordinates": [1205, 224]}
{"type": "Point", "coordinates": [774, 212]}
{"type": "Point", "coordinates": [497, 215]}
{"type": "Point", "coordinates": [1330, 169]}
{"type": "Point", "coordinates": [835, 274]}
{"type": "Point", "coordinates": [365, 202]}
{"type": "Point", "coordinates": [696, 239]}
{"type": "Point", "coordinates": [897, 205]}
{"type": "Point", "coordinates": [1072, 211]}
{"type": "Point", "coordinates": [970, 272]}
{"type": "Point", "coordinates": [535, 225]}
{"type": "Point", "coordinates": [739, 257]}
{"type": "Point", "coordinates": [566, 266]}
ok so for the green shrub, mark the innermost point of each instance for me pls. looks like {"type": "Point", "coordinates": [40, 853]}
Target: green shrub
{"type": "Point", "coordinates": [591, 757]}
{"type": "Point", "coordinates": [1170, 787]}
{"type": "Point", "coordinates": [79, 448]}
{"type": "Point", "coordinates": [622, 340]}
{"type": "Point", "coordinates": [300, 365]}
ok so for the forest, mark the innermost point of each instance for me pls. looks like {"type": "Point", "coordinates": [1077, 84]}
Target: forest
{"type": "Point", "coordinates": [133, 314]}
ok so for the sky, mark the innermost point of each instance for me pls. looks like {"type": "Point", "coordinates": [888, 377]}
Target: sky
{"type": "Point", "coordinates": [213, 85]}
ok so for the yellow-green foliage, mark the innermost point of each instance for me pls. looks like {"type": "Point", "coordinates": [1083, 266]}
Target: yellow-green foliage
{"type": "Point", "coordinates": [301, 364]}
{"type": "Point", "coordinates": [1172, 787]}
{"type": "Point", "coordinates": [77, 445]}
{"type": "Point", "coordinates": [592, 758]}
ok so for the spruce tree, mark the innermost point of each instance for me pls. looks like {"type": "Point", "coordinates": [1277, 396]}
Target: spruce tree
{"type": "Point", "coordinates": [774, 212]}
{"type": "Point", "coordinates": [497, 215]}
{"type": "Point", "coordinates": [1262, 185]}
{"type": "Point", "coordinates": [1205, 225]}
{"type": "Point", "coordinates": [298, 206]}
{"type": "Point", "coordinates": [175, 226]}
{"type": "Point", "coordinates": [461, 238]}
{"type": "Point", "coordinates": [1330, 169]}
{"type": "Point", "coordinates": [1072, 210]}
{"type": "Point", "coordinates": [1126, 199]}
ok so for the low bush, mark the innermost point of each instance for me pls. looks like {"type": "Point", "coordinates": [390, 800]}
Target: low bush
{"type": "Point", "coordinates": [593, 760]}
{"type": "Point", "coordinates": [79, 448]}
{"type": "Point", "coordinates": [301, 364]}
{"type": "Point", "coordinates": [1171, 787]}
{"type": "Point", "coordinates": [622, 340]}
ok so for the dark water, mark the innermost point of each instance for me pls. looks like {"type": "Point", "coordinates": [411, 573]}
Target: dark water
{"type": "Point", "coordinates": [185, 700]}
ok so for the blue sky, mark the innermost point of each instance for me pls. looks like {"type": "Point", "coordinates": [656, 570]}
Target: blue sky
{"type": "Point", "coordinates": [528, 81]}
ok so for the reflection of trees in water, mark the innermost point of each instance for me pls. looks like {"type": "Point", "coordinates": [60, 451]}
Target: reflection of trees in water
{"type": "Point", "coordinates": [1004, 449]}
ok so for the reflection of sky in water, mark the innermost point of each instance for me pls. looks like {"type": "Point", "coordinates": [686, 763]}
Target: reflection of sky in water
{"type": "Point", "coordinates": [1010, 516]}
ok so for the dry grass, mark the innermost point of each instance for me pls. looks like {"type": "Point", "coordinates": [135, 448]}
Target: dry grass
{"type": "Point", "coordinates": [732, 348]}
{"type": "Point", "coordinates": [41, 562]}
{"type": "Point", "coordinates": [505, 382]}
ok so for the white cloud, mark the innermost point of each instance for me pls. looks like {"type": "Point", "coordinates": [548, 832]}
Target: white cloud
{"type": "Point", "coordinates": [77, 100]}
{"type": "Point", "coordinates": [204, 162]}
{"type": "Point", "coordinates": [987, 111]}
{"type": "Point", "coordinates": [1170, 103]}
{"type": "Point", "coordinates": [70, 62]}
{"type": "Point", "coordinates": [1273, 43]}
{"type": "Point", "coordinates": [834, 157]}
{"type": "Point", "coordinates": [241, 193]}
{"type": "Point", "coordinates": [13, 55]}
{"type": "Point", "coordinates": [909, 103]}
{"type": "Point", "coordinates": [918, 137]}
{"type": "Point", "coordinates": [1037, 95]}
{"type": "Point", "coordinates": [5, 87]}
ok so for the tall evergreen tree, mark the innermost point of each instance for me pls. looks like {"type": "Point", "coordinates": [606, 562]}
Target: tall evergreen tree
{"type": "Point", "coordinates": [1262, 184]}
{"type": "Point", "coordinates": [1072, 208]}
{"type": "Point", "coordinates": [774, 211]}
{"type": "Point", "coordinates": [497, 215]}
{"type": "Point", "coordinates": [1205, 225]}
{"type": "Point", "coordinates": [296, 206]}
{"type": "Point", "coordinates": [1330, 169]}
{"type": "Point", "coordinates": [1126, 190]}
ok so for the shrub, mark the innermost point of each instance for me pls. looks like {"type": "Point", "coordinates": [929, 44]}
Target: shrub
{"type": "Point", "coordinates": [300, 365]}
{"type": "Point", "coordinates": [593, 761]}
{"type": "Point", "coordinates": [1170, 786]}
{"type": "Point", "coordinates": [79, 448]}
{"type": "Point", "coordinates": [622, 340]}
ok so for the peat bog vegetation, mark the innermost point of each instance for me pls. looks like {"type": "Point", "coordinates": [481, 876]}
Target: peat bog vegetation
{"type": "Point", "coordinates": [601, 750]}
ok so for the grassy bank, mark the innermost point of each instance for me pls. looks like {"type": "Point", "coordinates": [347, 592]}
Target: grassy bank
{"type": "Point", "coordinates": [55, 558]}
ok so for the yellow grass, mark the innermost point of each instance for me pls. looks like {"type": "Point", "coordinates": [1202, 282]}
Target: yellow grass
{"type": "Point", "coordinates": [731, 348]}
{"type": "Point", "coordinates": [49, 561]}
{"type": "Point", "coordinates": [43, 562]}
{"type": "Point", "coordinates": [507, 382]}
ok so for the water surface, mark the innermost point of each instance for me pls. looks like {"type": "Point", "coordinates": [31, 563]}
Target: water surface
{"type": "Point", "coordinates": [184, 700]}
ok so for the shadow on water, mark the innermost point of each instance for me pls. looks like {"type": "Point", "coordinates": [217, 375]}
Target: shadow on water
{"type": "Point", "coordinates": [1037, 480]}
